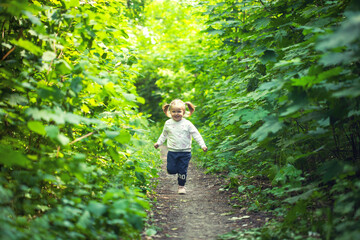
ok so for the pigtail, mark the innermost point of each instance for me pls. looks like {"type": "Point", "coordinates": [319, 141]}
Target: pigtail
{"type": "Point", "coordinates": [165, 108]}
{"type": "Point", "coordinates": [191, 108]}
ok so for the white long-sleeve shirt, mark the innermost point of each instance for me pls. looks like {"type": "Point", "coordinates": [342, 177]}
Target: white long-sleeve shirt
{"type": "Point", "coordinates": [178, 135]}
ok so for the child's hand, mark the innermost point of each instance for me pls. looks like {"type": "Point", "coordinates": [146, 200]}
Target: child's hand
{"type": "Point", "coordinates": [204, 149]}
{"type": "Point", "coordinates": [156, 145]}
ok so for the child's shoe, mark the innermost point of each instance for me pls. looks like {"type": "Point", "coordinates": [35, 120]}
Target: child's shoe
{"type": "Point", "coordinates": [181, 190]}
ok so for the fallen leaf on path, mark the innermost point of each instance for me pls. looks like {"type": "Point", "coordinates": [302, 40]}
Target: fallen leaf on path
{"type": "Point", "coordinates": [174, 229]}
{"type": "Point", "coordinates": [239, 218]}
{"type": "Point", "coordinates": [150, 232]}
{"type": "Point", "coordinates": [226, 214]}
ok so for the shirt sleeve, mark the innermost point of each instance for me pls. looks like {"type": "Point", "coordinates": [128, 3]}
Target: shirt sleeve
{"type": "Point", "coordinates": [196, 135]}
{"type": "Point", "coordinates": [163, 136]}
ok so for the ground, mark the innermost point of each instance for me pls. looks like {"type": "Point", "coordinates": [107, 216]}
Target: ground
{"type": "Point", "coordinates": [202, 213]}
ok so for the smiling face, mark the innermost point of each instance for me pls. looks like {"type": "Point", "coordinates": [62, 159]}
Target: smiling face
{"type": "Point", "coordinates": [177, 113]}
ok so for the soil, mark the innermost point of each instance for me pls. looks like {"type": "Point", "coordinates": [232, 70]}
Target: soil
{"type": "Point", "coordinates": [202, 213]}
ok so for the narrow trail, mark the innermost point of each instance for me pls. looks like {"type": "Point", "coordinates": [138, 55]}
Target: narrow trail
{"type": "Point", "coordinates": [202, 213]}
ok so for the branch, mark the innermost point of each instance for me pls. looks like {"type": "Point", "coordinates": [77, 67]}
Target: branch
{"type": "Point", "coordinates": [11, 50]}
{"type": "Point", "coordinates": [8, 53]}
{"type": "Point", "coordinates": [81, 138]}
{"type": "Point", "coordinates": [76, 140]}
{"type": "Point", "coordinates": [3, 30]}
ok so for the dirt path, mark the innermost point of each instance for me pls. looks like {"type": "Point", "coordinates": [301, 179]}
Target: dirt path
{"type": "Point", "coordinates": [203, 213]}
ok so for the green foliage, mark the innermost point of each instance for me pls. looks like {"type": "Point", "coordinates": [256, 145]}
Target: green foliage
{"type": "Point", "coordinates": [277, 85]}
{"type": "Point", "coordinates": [168, 44]}
{"type": "Point", "coordinates": [75, 160]}
{"type": "Point", "coordinates": [277, 89]}
{"type": "Point", "coordinates": [285, 106]}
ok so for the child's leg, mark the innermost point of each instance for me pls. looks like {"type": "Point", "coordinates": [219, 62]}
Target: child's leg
{"type": "Point", "coordinates": [171, 165]}
{"type": "Point", "coordinates": [182, 167]}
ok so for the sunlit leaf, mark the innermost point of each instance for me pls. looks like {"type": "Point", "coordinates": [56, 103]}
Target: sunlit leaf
{"type": "Point", "coordinates": [63, 139]}
{"type": "Point", "coordinates": [63, 67]}
{"type": "Point", "coordinates": [52, 131]}
{"type": "Point", "coordinates": [29, 46]}
{"type": "Point", "coordinates": [123, 137]}
{"type": "Point", "coordinates": [48, 56]}
{"type": "Point", "coordinates": [32, 18]}
{"type": "Point", "coordinates": [37, 127]}
{"type": "Point", "coordinates": [71, 3]}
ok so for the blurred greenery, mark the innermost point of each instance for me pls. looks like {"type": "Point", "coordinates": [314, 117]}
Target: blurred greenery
{"type": "Point", "coordinates": [76, 155]}
{"type": "Point", "coordinates": [277, 89]}
{"type": "Point", "coordinates": [276, 85]}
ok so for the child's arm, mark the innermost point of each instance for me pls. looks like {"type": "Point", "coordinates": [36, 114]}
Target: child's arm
{"type": "Point", "coordinates": [162, 138]}
{"type": "Point", "coordinates": [197, 136]}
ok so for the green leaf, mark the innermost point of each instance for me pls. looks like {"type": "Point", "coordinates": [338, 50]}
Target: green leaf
{"type": "Point", "coordinates": [328, 74]}
{"type": "Point", "coordinates": [114, 154]}
{"type": "Point", "coordinates": [16, 99]}
{"type": "Point", "coordinates": [150, 232]}
{"type": "Point", "coordinates": [63, 140]}
{"type": "Point", "coordinates": [112, 134]}
{"type": "Point", "coordinates": [76, 84]}
{"type": "Point", "coordinates": [97, 209]}
{"type": "Point", "coordinates": [348, 32]}
{"type": "Point", "coordinates": [71, 3]}
{"type": "Point", "coordinates": [212, 31]}
{"type": "Point", "coordinates": [37, 127]}
{"type": "Point", "coordinates": [140, 176]}
{"type": "Point", "coordinates": [261, 23]}
{"type": "Point", "coordinates": [129, 97]}
{"type": "Point", "coordinates": [304, 196]}
{"type": "Point", "coordinates": [141, 100]}
{"type": "Point", "coordinates": [32, 18]}
{"type": "Point", "coordinates": [5, 195]}
{"type": "Point", "coordinates": [305, 81]}
{"type": "Point", "coordinates": [80, 177]}
{"type": "Point", "coordinates": [63, 67]}
{"type": "Point", "coordinates": [48, 56]}
{"type": "Point", "coordinates": [350, 92]}
{"type": "Point", "coordinates": [84, 221]}
{"type": "Point", "coordinates": [10, 158]}
{"type": "Point", "coordinates": [99, 81]}
{"type": "Point", "coordinates": [241, 188]}
{"type": "Point", "coordinates": [331, 169]}
{"type": "Point", "coordinates": [29, 46]}
{"type": "Point", "coordinates": [271, 125]}
{"type": "Point", "coordinates": [269, 56]}
{"type": "Point", "coordinates": [335, 58]}
{"type": "Point", "coordinates": [123, 137]}
{"type": "Point", "coordinates": [52, 131]}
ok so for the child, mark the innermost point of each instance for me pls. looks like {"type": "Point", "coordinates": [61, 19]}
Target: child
{"type": "Point", "coordinates": [178, 132]}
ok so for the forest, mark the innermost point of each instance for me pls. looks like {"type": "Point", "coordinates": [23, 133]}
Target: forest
{"type": "Point", "coordinates": [277, 89]}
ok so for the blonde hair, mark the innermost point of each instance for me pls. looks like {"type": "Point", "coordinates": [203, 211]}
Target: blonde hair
{"type": "Point", "coordinates": [177, 102]}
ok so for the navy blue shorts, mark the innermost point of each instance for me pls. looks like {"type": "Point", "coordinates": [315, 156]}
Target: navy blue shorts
{"type": "Point", "coordinates": [177, 163]}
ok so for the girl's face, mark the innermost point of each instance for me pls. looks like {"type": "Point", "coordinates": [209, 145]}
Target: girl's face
{"type": "Point", "coordinates": [177, 113]}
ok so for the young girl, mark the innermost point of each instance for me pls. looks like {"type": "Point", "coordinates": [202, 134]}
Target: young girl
{"type": "Point", "coordinates": [178, 132]}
